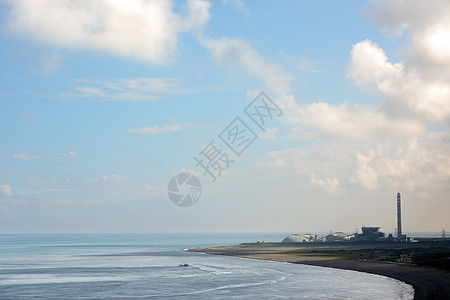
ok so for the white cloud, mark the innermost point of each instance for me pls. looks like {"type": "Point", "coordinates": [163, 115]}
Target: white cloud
{"type": "Point", "coordinates": [377, 146]}
{"type": "Point", "coordinates": [330, 185]}
{"type": "Point", "coordinates": [365, 175]}
{"type": "Point", "coordinates": [369, 66]}
{"type": "Point", "coordinates": [239, 53]}
{"type": "Point", "coordinates": [330, 162]}
{"type": "Point", "coordinates": [26, 156]}
{"type": "Point", "coordinates": [417, 165]}
{"type": "Point", "coordinates": [415, 92]}
{"type": "Point", "coordinates": [138, 29]}
{"type": "Point", "coordinates": [428, 27]}
{"type": "Point", "coordinates": [6, 190]}
{"type": "Point", "coordinates": [127, 89]}
{"type": "Point", "coordinates": [413, 165]}
{"type": "Point", "coordinates": [353, 121]}
{"type": "Point", "coordinates": [408, 92]}
{"type": "Point", "coordinates": [360, 122]}
{"type": "Point", "coordinates": [163, 129]}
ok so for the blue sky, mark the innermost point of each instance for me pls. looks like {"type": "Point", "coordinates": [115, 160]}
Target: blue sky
{"type": "Point", "coordinates": [103, 102]}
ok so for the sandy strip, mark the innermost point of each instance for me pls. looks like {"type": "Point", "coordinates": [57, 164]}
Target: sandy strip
{"type": "Point", "coordinates": [428, 283]}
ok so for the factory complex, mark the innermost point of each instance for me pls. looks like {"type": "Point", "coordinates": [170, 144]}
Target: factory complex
{"type": "Point", "coordinates": [368, 234]}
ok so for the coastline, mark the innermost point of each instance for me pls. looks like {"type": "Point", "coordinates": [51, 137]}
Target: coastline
{"type": "Point", "coordinates": [428, 283]}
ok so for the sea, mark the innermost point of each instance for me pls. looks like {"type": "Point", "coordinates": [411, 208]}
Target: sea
{"type": "Point", "coordinates": [157, 266]}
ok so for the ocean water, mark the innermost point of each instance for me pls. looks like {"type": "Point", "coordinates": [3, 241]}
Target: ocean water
{"type": "Point", "coordinates": [147, 266]}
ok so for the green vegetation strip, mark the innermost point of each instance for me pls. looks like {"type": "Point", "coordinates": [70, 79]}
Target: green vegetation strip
{"type": "Point", "coordinates": [438, 257]}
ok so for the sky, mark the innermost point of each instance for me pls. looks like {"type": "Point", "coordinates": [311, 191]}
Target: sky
{"type": "Point", "coordinates": [103, 102]}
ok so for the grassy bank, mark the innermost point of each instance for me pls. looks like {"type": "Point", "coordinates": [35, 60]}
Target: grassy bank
{"type": "Point", "coordinates": [437, 257]}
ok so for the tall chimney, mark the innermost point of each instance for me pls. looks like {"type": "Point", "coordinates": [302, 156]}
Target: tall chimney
{"type": "Point", "coordinates": [399, 217]}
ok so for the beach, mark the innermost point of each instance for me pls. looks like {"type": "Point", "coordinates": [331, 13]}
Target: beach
{"type": "Point", "coordinates": [428, 283]}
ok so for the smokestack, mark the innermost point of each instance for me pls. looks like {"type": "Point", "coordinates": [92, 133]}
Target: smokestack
{"type": "Point", "coordinates": [399, 217]}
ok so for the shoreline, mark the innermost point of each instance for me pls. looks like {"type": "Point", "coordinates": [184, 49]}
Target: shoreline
{"type": "Point", "coordinates": [428, 283]}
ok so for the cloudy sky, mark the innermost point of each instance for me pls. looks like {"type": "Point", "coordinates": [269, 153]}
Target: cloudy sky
{"type": "Point", "coordinates": [102, 102]}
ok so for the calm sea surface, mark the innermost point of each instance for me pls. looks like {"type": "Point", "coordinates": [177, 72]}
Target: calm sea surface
{"type": "Point", "coordinates": [147, 266]}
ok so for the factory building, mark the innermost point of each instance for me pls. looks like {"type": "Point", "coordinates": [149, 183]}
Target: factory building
{"type": "Point", "coordinates": [369, 234]}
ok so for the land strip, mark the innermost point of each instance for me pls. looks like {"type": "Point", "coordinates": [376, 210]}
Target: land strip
{"type": "Point", "coordinates": [376, 258]}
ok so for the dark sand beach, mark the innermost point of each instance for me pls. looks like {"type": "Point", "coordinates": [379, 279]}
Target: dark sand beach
{"type": "Point", "coordinates": [428, 283]}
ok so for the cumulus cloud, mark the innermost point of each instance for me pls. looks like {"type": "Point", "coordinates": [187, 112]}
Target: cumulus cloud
{"type": "Point", "coordinates": [126, 89]}
{"type": "Point", "coordinates": [144, 30]}
{"type": "Point", "coordinates": [417, 165]}
{"type": "Point", "coordinates": [352, 121]}
{"type": "Point", "coordinates": [356, 122]}
{"type": "Point", "coordinates": [163, 129]}
{"type": "Point", "coordinates": [428, 27]}
{"type": "Point", "coordinates": [240, 53]}
{"type": "Point", "coordinates": [6, 190]}
{"type": "Point", "coordinates": [330, 185]}
{"type": "Point", "coordinates": [413, 165]}
{"type": "Point", "coordinates": [365, 175]}
{"type": "Point", "coordinates": [414, 92]}
{"type": "Point", "coordinates": [407, 91]}
{"type": "Point", "coordinates": [330, 160]}
{"type": "Point", "coordinates": [369, 66]}
{"type": "Point", "coordinates": [386, 144]}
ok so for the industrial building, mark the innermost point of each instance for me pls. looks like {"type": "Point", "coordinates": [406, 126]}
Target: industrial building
{"type": "Point", "coordinates": [368, 234]}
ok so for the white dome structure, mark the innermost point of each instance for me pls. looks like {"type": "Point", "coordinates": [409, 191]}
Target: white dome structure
{"type": "Point", "coordinates": [295, 238]}
{"type": "Point", "coordinates": [337, 237]}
